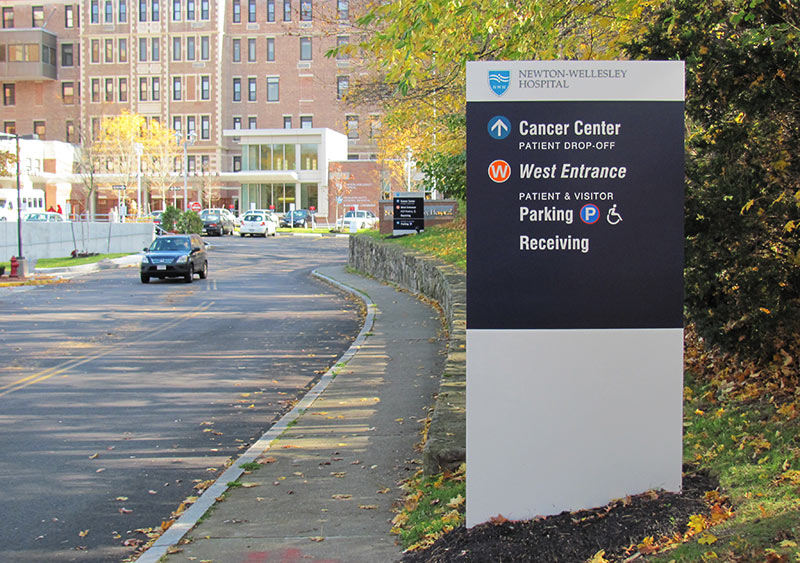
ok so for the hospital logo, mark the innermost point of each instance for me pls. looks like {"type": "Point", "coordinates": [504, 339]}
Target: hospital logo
{"type": "Point", "coordinates": [499, 81]}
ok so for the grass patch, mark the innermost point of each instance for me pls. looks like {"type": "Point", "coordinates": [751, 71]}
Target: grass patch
{"type": "Point", "coordinates": [69, 261]}
{"type": "Point", "coordinates": [250, 466]}
{"type": "Point", "coordinates": [234, 484]}
{"type": "Point", "coordinates": [433, 506]}
{"type": "Point", "coordinates": [753, 447]}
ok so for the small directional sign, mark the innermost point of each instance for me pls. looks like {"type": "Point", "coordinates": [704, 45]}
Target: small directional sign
{"type": "Point", "coordinates": [499, 127]}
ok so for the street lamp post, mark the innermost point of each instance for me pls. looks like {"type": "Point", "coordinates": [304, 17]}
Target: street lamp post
{"type": "Point", "coordinates": [191, 137]}
{"type": "Point", "coordinates": [19, 205]}
{"type": "Point", "coordinates": [138, 148]}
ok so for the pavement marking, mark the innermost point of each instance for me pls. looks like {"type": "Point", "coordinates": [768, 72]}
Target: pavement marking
{"type": "Point", "coordinates": [106, 350]}
{"type": "Point", "coordinates": [189, 519]}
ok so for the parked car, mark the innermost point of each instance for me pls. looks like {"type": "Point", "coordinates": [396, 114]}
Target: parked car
{"type": "Point", "coordinates": [175, 256]}
{"type": "Point", "coordinates": [362, 220]}
{"type": "Point", "coordinates": [44, 216]}
{"type": "Point", "coordinates": [155, 216]}
{"type": "Point", "coordinates": [217, 221]}
{"type": "Point", "coordinates": [258, 223]}
{"type": "Point", "coordinates": [297, 218]}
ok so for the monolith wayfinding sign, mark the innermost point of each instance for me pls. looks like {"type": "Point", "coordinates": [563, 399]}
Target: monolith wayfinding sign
{"type": "Point", "coordinates": [575, 187]}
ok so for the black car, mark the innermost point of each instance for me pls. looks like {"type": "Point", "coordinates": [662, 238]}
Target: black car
{"type": "Point", "coordinates": [175, 256]}
{"type": "Point", "coordinates": [296, 218]}
{"type": "Point", "coordinates": [217, 221]}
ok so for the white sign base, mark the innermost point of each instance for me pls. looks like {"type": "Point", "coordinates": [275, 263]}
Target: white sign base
{"type": "Point", "coordinates": [597, 415]}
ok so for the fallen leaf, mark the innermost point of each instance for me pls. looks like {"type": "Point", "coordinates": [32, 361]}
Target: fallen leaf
{"type": "Point", "coordinates": [121, 498]}
{"type": "Point", "coordinates": [124, 510]}
{"type": "Point", "coordinates": [83, 533]}
{"type": "Point", "coordinates": [94, 455]}
{"type": "Point", "coordinates": [317, 539]}
{"type": "Point", "coordinates": [266, 460]}
{"type": "Point", "coordinates": [368, 506]}
{"type": "Point", "coordinates": [384, 491]}
{"type": "Point", "coordinates": [341, 497]}
{"type": "Point", "coordinates": [456, 501]}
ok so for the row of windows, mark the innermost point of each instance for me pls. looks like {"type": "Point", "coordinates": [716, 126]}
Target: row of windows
{"type": "Point", "coordinates": [306, 10]}
{"type": "Point", "coordinates": [148, 10]}
{"type": "Point", "coordinates": [27, 53]}
{"type": "Point", "coordinates": [306, 53]}
{"type": "Point", "coordinates": [273, 89]}
{"type": "Point", "coordinates": [39, 128]}
{"type": "Point", "coordinates": [37, 17]}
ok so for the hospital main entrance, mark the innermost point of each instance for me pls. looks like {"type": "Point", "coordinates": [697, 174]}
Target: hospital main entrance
{"type": "Point", "coordinates": [280, 197]}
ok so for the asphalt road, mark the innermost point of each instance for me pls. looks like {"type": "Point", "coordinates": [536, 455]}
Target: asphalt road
{"type": "Point", "coordinates": [117, 397]}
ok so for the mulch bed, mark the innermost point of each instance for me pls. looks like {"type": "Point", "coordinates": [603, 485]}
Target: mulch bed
{"type": "Point", "coordinates": [575, 537]}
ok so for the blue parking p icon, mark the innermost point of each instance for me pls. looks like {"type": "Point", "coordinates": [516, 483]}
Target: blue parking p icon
{"type": "Point", "coordinates": [590, 214]}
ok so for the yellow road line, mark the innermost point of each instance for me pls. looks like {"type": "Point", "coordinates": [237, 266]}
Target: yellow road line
{"type": "Point", "coordinates": [59, 369]}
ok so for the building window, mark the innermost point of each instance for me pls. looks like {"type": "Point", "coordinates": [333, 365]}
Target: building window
{"type": "Point", "coordinates": [70, 129]}
{"type": "Point", "coordinates": [374, 127]}
{"type": "Point", "coordinates": [270, 10]}
{"type": "Point", "coordinates": [122, 11]}
{"type": "Point", "coordinates": [205, 48]}
{"type": "Point", "coordinates": [341, 41]}
{"type": "Point", "coordinates": [177, 123]}
{"type": "Point", "coordinates": [273, 93]}
{"type": "Point", "coordinates": [142, 10]}
{"type": "Point", "coordinates": [251, 89]}
{"type": "Point", "coordinates": [155, 49]}
{"type": "Point", "coordinates": [69, 17]}
{"type": "Point", "coordinates": [109, 89]}
{"type": "Point", "coordinates": [251, 11]}
{"type": "Point", "coordinates": [95, 11]}
{"type": "Point", "coordinates": [305, 10]}
{"type": "Point", "coordinates": [352, 126]}
{"type": "Point", "coordinates": [305, 48]}
{"type": "Point", "coordinates": [343, 9]}
{"type": "Point", "coordinates": [37, 16]}
{"type": "Point", "coordinates": [342, 84]}
{"type": "Point", "coordinates": [155, 10]}
{"type": "Point", "coordinates": [205, 127]}
{"type": "Point", "coordinates": [176, 48]}
{"type": "Point", "coordinates": [237, 11]}
{"type": "Point", "coordinates": [205, 87]}
{"type": "Point", "coordinates": [39, 129]}
{"type": "Point", "coordinates": [109, 51]}
{"type": "Point", "coordinates": [156, 90]}
{"type": "Point", "coordinates": [270, 48]}
{"type": "Point", "coordinates": [190, 42]}
{"type": "Point", "coordinates": [142, 89]}
{"type": "Point", "coordinates": [176, 88]}
{"type": "Point", "coordinates": [204, 10]}
{"type": "Point", "coordinates": [122, 49]}
{"type": "Point", "coordinates": [142, 49]}
{"type": "Point", "coordinates": [109, 12]}
{"type": "Point", "coordinates": [252, 123]}
{"type": "Point", "coordinates": [237, 163]}
{"type": "Point", "coordinates": [251, 50]}
{"type": "Point", "coordinates": [191, 124]}
{"type": "Point", "coordinates": [176, 10]}
{"type": "Point", "coordinates": [205, 163]}
{"type": "Point", "coordinates": [237, 50]}
{"type": "Point", "coordinates": [287, 121]}
{"type": "Point", "coordinates": [67, 54]}
{"type": "Point", "coordinates": [95, 90]}
{"type": "Point", "coordinates": [8, 18]}
{"type": "Point", "coordinates": [306, 122]}
{"type": "Point", "coordinates": [95, 51]}
{"type": "Point", "coordinates": [237, 123]}
{"type": "Point", "coordinates": [123, 90]}
{"type": "Point", "coordinates": [190, 10]}
{"type": "Point", "coordinates": [287, 10]}
{"type": "Point", "coordinates": [190, 163]}
{"type": "Point", "coordinates": [68, 92]}
{"type": "Point", "coordinates": [10, 127]}
{"type": "Point", "coordinates": [237, 89]}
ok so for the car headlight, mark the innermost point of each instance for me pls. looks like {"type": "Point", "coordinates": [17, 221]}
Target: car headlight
{"type": "Point", "coordinates": [181, 259]}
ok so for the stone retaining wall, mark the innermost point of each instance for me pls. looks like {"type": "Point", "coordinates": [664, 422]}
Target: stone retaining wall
{"type": "Point", "coordinates": [445, 447]}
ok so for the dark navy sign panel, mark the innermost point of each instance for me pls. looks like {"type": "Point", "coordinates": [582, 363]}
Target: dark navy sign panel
{"type": "Point", "coordinates": [617, 266]}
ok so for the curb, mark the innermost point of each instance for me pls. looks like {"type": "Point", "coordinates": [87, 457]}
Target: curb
{"type": "Point", "coordinates": [189, 519]}
{"type": "Point", "coordinates": [107, 264]}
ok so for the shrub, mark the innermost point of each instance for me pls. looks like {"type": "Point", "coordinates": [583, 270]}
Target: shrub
{"type": "Point", "coordinates": [169, 218]}
{"type": "Point", "coordinates": [189, 222]}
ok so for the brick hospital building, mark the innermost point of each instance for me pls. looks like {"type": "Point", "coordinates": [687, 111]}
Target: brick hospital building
{"type": "Point", "coordinates": [205, 68]}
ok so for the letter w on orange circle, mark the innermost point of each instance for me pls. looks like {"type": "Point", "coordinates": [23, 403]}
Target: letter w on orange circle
{"type": "Point", "coordinates": [499, 171]}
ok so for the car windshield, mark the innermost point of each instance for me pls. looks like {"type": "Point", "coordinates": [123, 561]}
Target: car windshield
{"type": "Point", "coordinates": [36, 217]}
{"type": "Point", "coordinates": [170, 244]}
{"type": "Point", "coordinates": [212, 217]}
{"type": "Point", "coordinates": [253, 217]}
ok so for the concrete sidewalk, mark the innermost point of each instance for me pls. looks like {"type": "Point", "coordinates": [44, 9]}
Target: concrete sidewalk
{"type": "Point", "coordinates": [328, 483]}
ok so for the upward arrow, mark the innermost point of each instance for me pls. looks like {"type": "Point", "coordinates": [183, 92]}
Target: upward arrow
{"type": "Point", "coordinates": [499, 126]}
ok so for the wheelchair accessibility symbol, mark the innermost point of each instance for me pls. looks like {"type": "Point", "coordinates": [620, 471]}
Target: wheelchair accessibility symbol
{"type": "Point", "coordinates": [613, 217]}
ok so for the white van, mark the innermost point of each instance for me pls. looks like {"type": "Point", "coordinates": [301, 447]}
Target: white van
{"type": "Point", "coordinates": [32, 200]}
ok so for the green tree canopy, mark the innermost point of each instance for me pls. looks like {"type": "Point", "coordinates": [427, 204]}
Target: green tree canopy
{"type": "Point", "coordinates": [743, 165]}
